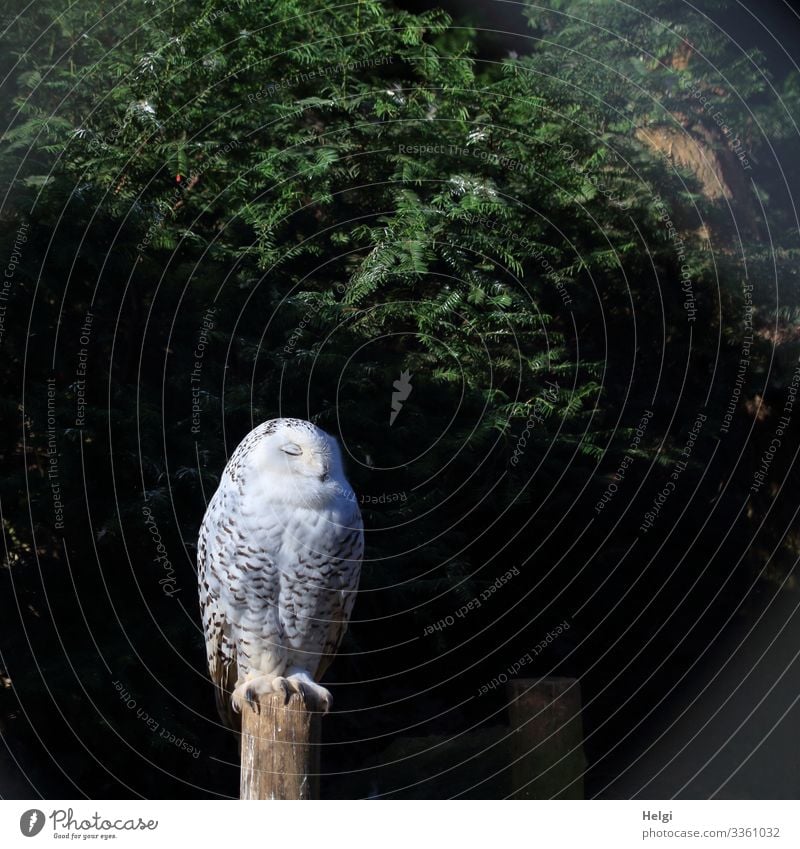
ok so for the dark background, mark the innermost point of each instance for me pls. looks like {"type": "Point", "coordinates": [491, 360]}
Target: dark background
{"type": "Point", "coordinates": [683, 640]}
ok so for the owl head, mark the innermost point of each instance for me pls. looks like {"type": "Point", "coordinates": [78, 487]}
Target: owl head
{"type": "Point", "coordinates": [296, 457]}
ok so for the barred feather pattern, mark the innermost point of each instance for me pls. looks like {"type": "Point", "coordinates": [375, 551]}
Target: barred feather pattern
{"type": "Point", "coordinates": [279, 559]}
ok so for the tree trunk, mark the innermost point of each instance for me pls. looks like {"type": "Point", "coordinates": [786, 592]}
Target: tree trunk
{"type": "Point", "coordinates": [547, 740]}
{"type": "Point", "coordinates": [280, 750]}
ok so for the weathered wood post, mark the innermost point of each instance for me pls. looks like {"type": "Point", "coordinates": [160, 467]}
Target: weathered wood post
{"type": "Point", "coordinates": [280, 750]}
{"type": "Point", "coordinates": [547, 738]}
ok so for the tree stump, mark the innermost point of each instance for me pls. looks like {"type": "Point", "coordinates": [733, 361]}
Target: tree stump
{"type": "Point", "coordinates": [547, 739]}
{"type": "Point", "coordinates": [280, 750]}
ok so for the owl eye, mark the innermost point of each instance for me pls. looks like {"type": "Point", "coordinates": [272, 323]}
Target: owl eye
{"type": "Point", "coordinates": [292, 448]}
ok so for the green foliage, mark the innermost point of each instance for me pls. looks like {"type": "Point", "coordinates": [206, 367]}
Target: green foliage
{"type": "Point", "coordinates": [327, 197]}
{"type": "Point", "coordinates": [334, 188]}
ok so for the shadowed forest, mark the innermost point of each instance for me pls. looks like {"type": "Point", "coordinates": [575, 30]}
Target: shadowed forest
{"type": "Point", "coordinates": [535, 267]}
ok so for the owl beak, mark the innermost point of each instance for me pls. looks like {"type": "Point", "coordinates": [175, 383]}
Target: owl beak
{"type": "Point", "coordinates": [320, 463]}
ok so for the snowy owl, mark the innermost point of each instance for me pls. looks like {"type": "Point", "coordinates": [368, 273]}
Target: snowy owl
{"type": "Point", "coordinates": [279, 557]}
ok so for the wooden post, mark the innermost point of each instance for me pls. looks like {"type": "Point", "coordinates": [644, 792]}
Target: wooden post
{"type": "Point", "coordinates": [280, 750]}
{"type": "Point", "coordinates": [547, 739]}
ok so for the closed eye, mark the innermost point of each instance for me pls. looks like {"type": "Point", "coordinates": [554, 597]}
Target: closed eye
{"type": "Point", "coordinates": [292, 448]}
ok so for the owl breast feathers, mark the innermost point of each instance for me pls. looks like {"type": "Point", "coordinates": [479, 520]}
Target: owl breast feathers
{"type": "Point", "coordinates": [279, 557]}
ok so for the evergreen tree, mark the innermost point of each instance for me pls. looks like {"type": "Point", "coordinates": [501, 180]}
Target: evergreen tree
{"type": "Point", "coordinates": [479, 276]}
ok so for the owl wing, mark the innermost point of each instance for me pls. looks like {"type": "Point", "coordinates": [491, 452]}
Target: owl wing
{"type": "Point", "coordinates": [343, 594]}
{"type": "Point", "coordinates": [220, 645]}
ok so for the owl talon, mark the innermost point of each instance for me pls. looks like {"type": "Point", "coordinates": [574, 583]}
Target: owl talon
{"type": "Point", "coordinates": [250, 691]}
{"type": "Point", "coordinates": [285, 688]}
{"type": "Point", "coordinates": [312, 701]}
{"type": "Point", "coordinates": [251, 697]}
{"type": "Point", "coordinates": [316, 698]}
